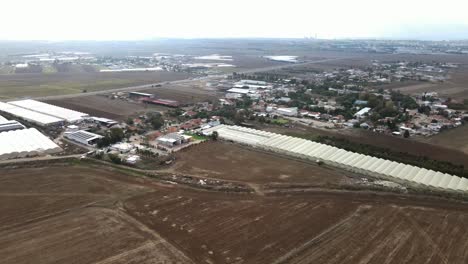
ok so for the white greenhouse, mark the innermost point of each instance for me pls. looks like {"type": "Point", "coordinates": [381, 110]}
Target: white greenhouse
{"type": "Point", "coordinates": [25, 143]}
{"type": "Point", "coordinates": [340, 158]}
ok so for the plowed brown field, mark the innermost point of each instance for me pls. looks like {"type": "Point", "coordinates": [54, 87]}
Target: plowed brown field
{"type": "Point", "coordinates": [88, 215]}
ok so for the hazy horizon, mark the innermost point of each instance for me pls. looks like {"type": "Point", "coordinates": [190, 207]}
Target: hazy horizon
{"type": "Point", "coordinates": [53, 20]}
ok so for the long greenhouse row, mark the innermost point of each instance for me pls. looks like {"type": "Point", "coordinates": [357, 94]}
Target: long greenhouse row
{"type": "Point", "coordinates": [25, 143]}
{"type": "Point", "coordinates": [340, 158]}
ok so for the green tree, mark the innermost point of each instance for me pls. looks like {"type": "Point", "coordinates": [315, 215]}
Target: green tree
{"type": "Point", "coordinates": [406, 134]}
{"type": "Point", "coordinates": [214, 135]}
{"type": "Point", "coordinates": [156, 120]}
{"type": "Point", "coordinates": [115, 158]}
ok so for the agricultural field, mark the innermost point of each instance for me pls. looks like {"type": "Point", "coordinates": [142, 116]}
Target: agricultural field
{"type": "Point", "coordinates": [186, 93]}
{"type": "Point", "coordinates": [102, 106]}
{"type": "Point", "coordinates": [314, 228]}
{"type": "Point", "coordinates": [228, 161]}
{"type": "Point", "coordinates": [40, 85]}
{"type": "Point", "coordinates": [454, 138]}
{"type": "Point", "coordinates": [45, 212]}
{"type": "Point", "coordinates": [107, 216]}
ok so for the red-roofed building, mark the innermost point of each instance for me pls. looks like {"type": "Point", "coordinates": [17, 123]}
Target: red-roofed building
{"type": "Point", "coordinates": [172, 129]}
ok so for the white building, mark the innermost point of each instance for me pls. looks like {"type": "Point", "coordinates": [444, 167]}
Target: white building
{"type": "Point", "coordinates": [30, 116]}
{"type": "Point", "coordinates": [361, 113]}
{"type": "Point", "coordinates": [104, 121]}
{"type": "Point", "coordinates": [172, 139]}
{"type": "Point", "coordinates": [51, 110]}
{"type": "Point", "coordinates": [122, 147]}
{"type": "Point", "coordinates": [239, 91]}
{"type": "Point", "coordinates": [132, 159]}
{"type": "Point", "coordinates": [292, 111]}
{"type": "Point", "coordinates": [83, 137]}
{"type": "Point", "coordinates": [25, 143]}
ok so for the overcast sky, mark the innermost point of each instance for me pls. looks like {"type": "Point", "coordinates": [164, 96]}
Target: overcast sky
{"type": "Point", "coordinates": [144, 19]}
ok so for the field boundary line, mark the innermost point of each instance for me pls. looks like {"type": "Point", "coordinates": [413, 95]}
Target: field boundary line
{"type": "Point", "coordinates": [432, 243]}
{"type": "Point", "coordinates": [297, 250]}
{"type": "Point", "coordinates": [157, 237]}
{"type": "Point", "coordinates": [146, 244]}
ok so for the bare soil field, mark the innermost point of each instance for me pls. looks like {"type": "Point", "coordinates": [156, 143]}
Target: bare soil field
{"type": "Point", "coordinates": [102, 106]}
{"type": "Point", "coordinates": [39, 85]}
{"type": "Point", "coordinates": [229, 161]}
{"type": "Point", "coordinates": [321, 228]}
{"type": "Point", "coordinates": [193, 92]}
{"type": "Point", "coordinates": [80, 215]}
{"type": "Point", "coordinates": [454, 138]}
{"type": "Point", "coordinates": [389, 234]}
{"type": "Point", "coordinates": [71, 215]}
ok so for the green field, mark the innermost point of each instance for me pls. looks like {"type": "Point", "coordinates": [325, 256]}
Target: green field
{"type": "Point", "coordinates": [47, 84]}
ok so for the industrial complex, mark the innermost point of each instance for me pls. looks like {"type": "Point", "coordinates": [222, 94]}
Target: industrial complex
{"type": "Point", "coordinates": [340, 158]}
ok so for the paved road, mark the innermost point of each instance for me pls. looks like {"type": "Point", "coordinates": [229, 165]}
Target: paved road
{"type": "Point", "coordinates": [210, 77]}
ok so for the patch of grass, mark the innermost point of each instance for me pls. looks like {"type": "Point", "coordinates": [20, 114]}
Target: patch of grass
{"type": "Point", "coordinates": [279, 121]}
{"type": "Point", "coordinates": [195, 136]}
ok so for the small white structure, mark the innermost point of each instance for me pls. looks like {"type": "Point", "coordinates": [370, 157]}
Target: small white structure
{"type": "Point", "coordinates": [132, 159]}
{"type": "Point", "coordinates": [292, 111]}
{"type": "Point", "coordinates": [239, 91]}
{"type": "Point", "coordinates": [283, 58]}
{"type": "Point", "coordinates": [122, 147]}
{"type": "Point", "coordinates": [360, 114]}
{"type": "Point", "coordinates": [73, 128]}
{"type": "Point", "coordinates": [83, 137]}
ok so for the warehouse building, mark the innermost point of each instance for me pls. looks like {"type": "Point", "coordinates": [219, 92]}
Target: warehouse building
{"type": "Point", "coordinates": [292, 111]}
{"type": "Point", "coordinates": [104, 121]}
{"type": "Point", "coordinates": [68, 115]}
{"type": "Point", "coordinates": [173, 139]}
{"type": "Point", "coordinates": [83, 137]}
{"type": "Point", "coordinates": [354, 162]}
{"type": "Point", "coordinates": [30, 116]}
{"type": "Point", "coordinates": [138, 95]}
{"type": "Point", "coordinates": [163, 102]}
{"type": "Point", "coordinates": [25, 143]}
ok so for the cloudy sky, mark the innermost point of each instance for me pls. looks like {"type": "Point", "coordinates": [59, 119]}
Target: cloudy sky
{"type": "Point", "coordinates": [144, 19]}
